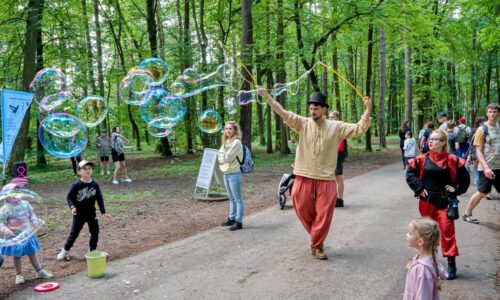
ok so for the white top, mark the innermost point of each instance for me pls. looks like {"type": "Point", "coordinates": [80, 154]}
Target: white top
{"type": "Point", "coordinates": [410, 147]}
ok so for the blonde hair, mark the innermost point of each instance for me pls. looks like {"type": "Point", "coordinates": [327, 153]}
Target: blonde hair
{"type": "Point", "coordinates": [237, 131]}
{"type": "Point", "coordinates": [443, 136]}
{"type": "Point", "coordinates": [428, 230]}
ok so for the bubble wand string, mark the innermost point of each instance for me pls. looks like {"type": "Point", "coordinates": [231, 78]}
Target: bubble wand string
{"type": "Point", "coordinates": [240, 62]}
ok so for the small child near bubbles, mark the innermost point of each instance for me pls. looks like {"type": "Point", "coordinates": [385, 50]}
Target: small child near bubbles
{"type": "Point", "coordinates": [16, 215]}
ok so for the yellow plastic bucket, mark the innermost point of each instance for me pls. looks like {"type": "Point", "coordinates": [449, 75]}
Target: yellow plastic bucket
{"type": "Point", "coordinates": [96, 263]}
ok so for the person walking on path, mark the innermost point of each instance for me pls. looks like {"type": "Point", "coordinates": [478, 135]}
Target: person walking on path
{"type": "Point", "coordinates": [424, 141]}
{"type": "Point", "coordinates": [81, 199]}
{"type": "Point", "coordinates": [463, 137]}
{"type": "Point", "coordinates": [229, 153]}
{"type": "Point", "coordinates": [425, 273]}
{"type": "Point", "coordinates": [103, 144]}
{"type": "Point", "coordinates": [487, 143]}
{"type": "Point", "coordinates": [471, 153]}
{"type": "Point", "coordinates": [452, 138]}
{"type": "Point", "coordinates": [339, 170]}
{"type": "Point", "coordinates": [410, 148]}
{"type": "Point", "coordinates": [434, 177]}
{"type": "Point", "coordinates": [118, 156]}
{"type": "Point", "coordinates": [443, 121]}
{"type": "Point", "coordinates": [403, 129]}
{"type": "Point", "coordinates": [314, 191]}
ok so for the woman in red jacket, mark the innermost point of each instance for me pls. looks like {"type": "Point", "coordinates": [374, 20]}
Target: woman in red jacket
{"type": "Point", "coordinates": [433, 177]}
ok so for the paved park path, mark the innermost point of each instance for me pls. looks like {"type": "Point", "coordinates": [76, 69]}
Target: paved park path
{"type": "Point", "coordinates": [270, 258]}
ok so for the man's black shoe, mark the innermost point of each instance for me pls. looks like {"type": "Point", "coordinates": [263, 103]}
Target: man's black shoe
{"type": "Point", "coordinates": [339, 203]}
{"type": "Point", "coordinates": [228, 222]}
{"type": "Point", "coordinates": [236, 226]}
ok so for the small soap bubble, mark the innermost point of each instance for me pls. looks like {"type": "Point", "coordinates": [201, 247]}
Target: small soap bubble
{"type": "Point", "coordinates": [210, 121]}
{"type": "Point", "coordinates": [158, 69]}
{"type": "Point", "coordinates": [92, 110]}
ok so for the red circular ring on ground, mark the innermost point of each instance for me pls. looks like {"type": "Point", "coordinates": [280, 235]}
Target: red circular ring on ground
{"type": "Point", "coordinates": [46, 287]}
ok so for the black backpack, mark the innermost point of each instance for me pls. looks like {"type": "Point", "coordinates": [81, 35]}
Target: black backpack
{"type": "Point", "coordinates": [462, 135]}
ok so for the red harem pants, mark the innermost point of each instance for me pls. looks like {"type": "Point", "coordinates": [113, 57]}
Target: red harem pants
{"type": "Point", "coordinates": [314, 201]}
{"type": "Point", "coordinates": [446, 226]}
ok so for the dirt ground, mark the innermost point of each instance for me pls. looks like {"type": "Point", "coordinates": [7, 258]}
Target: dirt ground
{"type": "Point", "coordinates": [161, 211]}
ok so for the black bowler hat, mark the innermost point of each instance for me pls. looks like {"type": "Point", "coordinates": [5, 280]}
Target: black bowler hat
{"type": "Point", "coordinates": [318, 99]}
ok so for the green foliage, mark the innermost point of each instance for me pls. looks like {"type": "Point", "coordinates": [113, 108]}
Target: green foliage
{"type": "Point", "coordinates": [440, 34]}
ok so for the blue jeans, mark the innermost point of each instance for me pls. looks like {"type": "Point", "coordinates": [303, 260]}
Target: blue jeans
{"type": "Point", "coordinates": [233, 184]}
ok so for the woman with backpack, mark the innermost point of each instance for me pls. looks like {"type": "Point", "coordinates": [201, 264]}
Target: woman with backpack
{"type": "Point", "coordinates": [435, 177]}
{"type": "Point", "coordinates": [230, 155]}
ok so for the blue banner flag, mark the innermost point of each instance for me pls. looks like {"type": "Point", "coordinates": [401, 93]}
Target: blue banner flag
{"type": "Point", "coordinates": [14, 106]}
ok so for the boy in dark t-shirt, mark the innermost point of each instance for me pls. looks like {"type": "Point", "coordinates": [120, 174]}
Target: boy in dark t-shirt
{"type": "Point", "coordinates": [81, 200]}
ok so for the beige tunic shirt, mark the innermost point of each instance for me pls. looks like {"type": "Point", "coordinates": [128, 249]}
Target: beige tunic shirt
{"type": "Point", "coordinates": [316, 155]}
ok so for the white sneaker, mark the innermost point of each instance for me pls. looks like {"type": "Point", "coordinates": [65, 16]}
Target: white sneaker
{"type": "Point", "coordinates": [63, 255]}
{"type": "Point", "coordinates": [20, 279]}
{"type": "Point", "coordinates": [128, 180]}
{"type": "Point", "coordinates": [42, 274]}
{"type": "Point", "coordinates": [115, 181]}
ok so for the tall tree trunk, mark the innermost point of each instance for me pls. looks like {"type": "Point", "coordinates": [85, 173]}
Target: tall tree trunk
{"type": "Point", "coordinates": [408, 87]}
{"type": "Point", "coordinates": [381, 103]}
{"type": "Point", "coordinates": [324, 75]}
{"type": "Point", "coordinates": [281, 72]}
{"type": "Point", "coordinates": [336, 83]}
{"type": "Point", "coordinates": [161, 32]}
{"type": "Point", "coordinates": [187, 62]}
{"type": "Point", "coordinates": [100, 73]}
{"type": "Point", "coordinates": [368, 82]}
{"type": "Point", "coordinates": [260, 113]}
{"type": "Point", "coordinates": [90, 56]}
{"type": "Point", "coordinates": [393, 97]}
{"type": "Point", "coordinates": [29, 70]}
{"type": "Point", "coordinates": [269, 113]}
{"type": "Point", "coordinates": [151, 21]}
{"type": "Point", "coordinates": [352, 78]}
{"type": "Point", "coordinates": [40, 151]}
{"type": "Point", "coordinates": [202, 42]}
{"type": "Point", "coordinates": [488, 79]}
{"type": "Point", "coordinates": [246, 50]}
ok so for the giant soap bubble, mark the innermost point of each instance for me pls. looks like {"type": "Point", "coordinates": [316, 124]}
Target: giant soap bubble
{"type": "Point", "coordinates": [157, 68]}
{"type": "Point", "coordinates": [48, 81]}
{"type": "Point", "coordinates": [172, 108]}
{"type": "Point", "coordinates": [149, 110]}
{"type": "Point", "coordinates": [63, 135]}
{"type": "Point", "coordinates": [92, 110]}
{"type": "Point", "coordinates": [210, 121]}
{"type": "Point", "coordinates": [23, 213]}
{"type": "Point", "coordinates": [62, 102]}
{"type": "Point", "coordinates": [158, 132]}
{"type": "Point", "coordinates": [137, 81]}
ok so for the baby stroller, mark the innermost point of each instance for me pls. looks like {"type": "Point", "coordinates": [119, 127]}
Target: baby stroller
{"type": "Point", "coordinates": [286, 184]}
